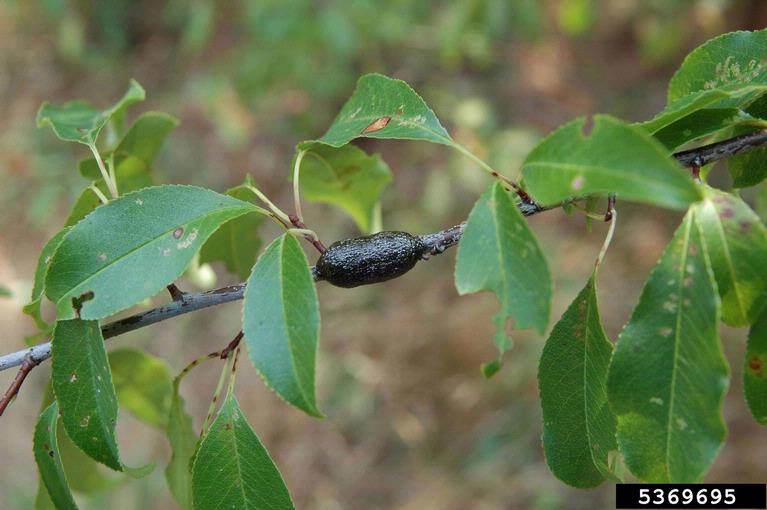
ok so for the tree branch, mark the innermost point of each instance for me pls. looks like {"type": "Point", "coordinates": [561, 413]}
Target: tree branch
{"type": "Point", "coordinates": [26, 367]}
{"type": "Point", "coordinates": [436, 243]}
{"type": "Point", "coordinates": [700, 156]}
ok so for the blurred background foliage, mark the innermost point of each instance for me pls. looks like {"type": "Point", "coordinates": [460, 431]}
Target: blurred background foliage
{"type": "Point", "coordinates": [411, 423]}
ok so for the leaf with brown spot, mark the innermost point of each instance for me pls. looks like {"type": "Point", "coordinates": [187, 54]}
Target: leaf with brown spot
{"type": "Point", "coordinates": [754, 372]}
{"type": "Point", "coordinates": [736, 242]}
{"type": "Point", "coordinates": [138, 231]}
{"type": "Point", "coordinates": [637, 167]}
{"type": "Point", "coordinates": [578, 425]}
{"type": "Point", "coordinates": [376, 125]}
{"type": "Point", "coordinates": [668, 375]}
{"type": "Point", "coordinates": [49, 464]}
{"type": "Point", "coordinates": [370, 108]}
{"type": "Point", "coordinates": [83, 386]}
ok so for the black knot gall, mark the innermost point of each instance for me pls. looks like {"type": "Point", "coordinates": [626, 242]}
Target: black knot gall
{"type": "Point", "coordinates": [370, 259]}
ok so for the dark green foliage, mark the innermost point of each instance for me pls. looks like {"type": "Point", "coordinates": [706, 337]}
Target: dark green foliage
{"type": "Point", "coordinates": [655, 400]}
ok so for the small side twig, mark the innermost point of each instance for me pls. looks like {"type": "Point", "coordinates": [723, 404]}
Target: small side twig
{"type": "Point", "coordinates": [175, 293]}
{"type": "Point", "coordinates": [226, 351]}
{"type": "Point", "coordinates": [610, 207]}
{"type": "Point", "coordinates": [440, 241]}
{"type": "Point", "coordinates": [296, 222]}
{"type": "Point", "coordinates": [13, 390]}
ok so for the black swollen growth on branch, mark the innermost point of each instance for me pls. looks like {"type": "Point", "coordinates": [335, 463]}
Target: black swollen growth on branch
{"type": "Point", "coordinates": [433, 244]}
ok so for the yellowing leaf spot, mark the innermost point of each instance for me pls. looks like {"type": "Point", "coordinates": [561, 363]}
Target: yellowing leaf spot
{"type": "Point", "coordinates": [577, 183]}
{"type": "Point", "coordinates": [681, 423]}
{"type": "Point", "coordinates": [730, 71]}
{"type": "Point", "coordinates": [656, 400]}
{"type": "Point", "coordinates": [354, 113]}
{"type": "Point", "coordinates": [85, 421]}
{"type": "Point", "coordinates": [102, 257]}
{"type": "Point", "coordinates": [73, 378]}
{"type": "Point", "coordinates": [376, 125]}
{"type": "Point", "coordinates": [139, 201]}
{"type": "Point", "coordinates": [664, 332]}
{"type": "Point", "coordinates": [186, 243]}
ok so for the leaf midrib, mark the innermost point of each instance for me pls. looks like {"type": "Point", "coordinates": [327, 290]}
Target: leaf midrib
{"type": "Point", "coordinates": [284, 310]}
{"type": "Point", "coordinates": [592, 285]}
{"type": "Point", "coordinates": [677, 340]}
{"type": "Point", "coordinates": [237, 456]}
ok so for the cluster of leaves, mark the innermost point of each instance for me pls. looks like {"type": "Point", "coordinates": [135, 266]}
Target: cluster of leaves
{"type": "Point", "coordinates": [655, 398]}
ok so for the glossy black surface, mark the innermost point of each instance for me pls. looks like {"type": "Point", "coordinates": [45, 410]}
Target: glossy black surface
{"type": "Point", "coordinates": [370, 259]}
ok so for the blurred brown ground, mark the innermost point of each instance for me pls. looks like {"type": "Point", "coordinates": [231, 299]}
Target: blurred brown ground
{"type": "Point", "coordinates": [411, 423]}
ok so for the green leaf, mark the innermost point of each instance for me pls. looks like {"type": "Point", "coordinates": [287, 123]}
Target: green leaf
{"type": "Point", "coordinates": [731, 60]}
{"type": "Point", "coordinates": [82, 472]}
{"type": "Point", "coordinates": [281, 322]}
{"type": "Point", "coordinates": [668, 375]}
{"type": "Point", "coordinates": [499, 253]}
{"type": "Point", "coordinates": [83, 386]}
{"type": "Point", "coordinates": [682, 108]}
{"type": "Point", "coordinates": [183, 442]}
{"type": "Point", "coordinates": [78, 121]}
{"type": "Point", "coordinates": [132, 247]}
{"type": "Point", "coordinates": [578, 425]}
{"type": "Point", "coordinates": [6, 292]}
{"type": "Point", "coordinates": [138, 148]}
{"type": "Point", "coordinates": [699, 124]}
{"type": "Point", "coordinates": [237, 242]}
{"type": "Point", "coordinates": [345, 177]}
{"type": "Point", "coordinates": [702, 113]}
{"type": "Point", "coordinates": [143, 385]}
{"type": "Point", "coordinates": [85, 475]}
{"type": "Point", "coordinates": [383, 107]}
{"type": "Point", "coordinates": [736, 242]}
{"type": "Point", "coordinates": [143, 141]}
{"type": "Point", "coordinates": [49, 461]}
{"type": "Point", "coordinates": [86, 202]}
{"type": "Point", "coordinates": [232, 468]}
{"type": "Point", "coordinates": [42, 500]}
{"type": "Point", "coordinates": [33, 307]}
{"type": "Point", "coordinates": [747, 169]}
{"type": "Point", "coordinates": [755, 370]}
{"type": "Point", "coordinates": [613, 157]}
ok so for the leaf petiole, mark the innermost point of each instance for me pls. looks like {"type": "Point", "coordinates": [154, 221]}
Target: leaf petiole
{"type": "Point", "coordinates": [296, 188]}
{"type": "Point", "coordinates": [108, 178]}
{"type": "Point", "coordinates": [95, 189]}
{"type": "Point", "coordinates": [216, 396]}
{"type": "Point", "coordinates": [487, 168]}
{"type": "Point", "coordinates": [608, 238]}
{"type": "Point", "coordinates": [112, 174]}
{"type": "Point", "coordinates": [278, 213]}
